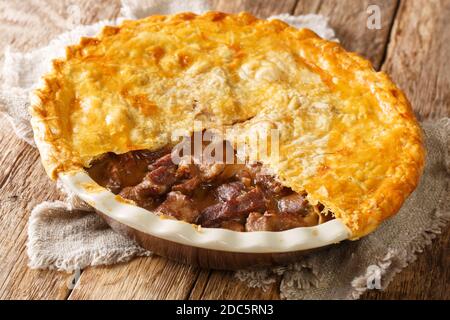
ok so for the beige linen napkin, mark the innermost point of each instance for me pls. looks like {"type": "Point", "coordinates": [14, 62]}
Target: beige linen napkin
{"type": "Point", "coordinates": [68, 235]}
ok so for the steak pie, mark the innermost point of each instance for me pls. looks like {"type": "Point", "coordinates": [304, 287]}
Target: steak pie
{"type": "Point", "coordinates": [348, 146]}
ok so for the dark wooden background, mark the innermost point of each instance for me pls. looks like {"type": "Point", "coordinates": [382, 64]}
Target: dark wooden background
{"type": "Point", "coordinates": [413, 46]}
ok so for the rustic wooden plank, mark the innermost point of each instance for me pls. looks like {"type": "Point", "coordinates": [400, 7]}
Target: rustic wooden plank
{"type": "Point", "coordinates": [349, 19]}
{"type": "Point", "coordinates": [30, 25]}
{"type": "Point", "coordinates": [418, 56]}
{"type": "Point", "coordinates": [143, 278]}
{"type": "Point", "coordinates": [200, 285]}
{"type": "Point", "coordinates": [260, 8]}
{"type": "Point", "coordinates": [224, 285]}
{"type": "Point", "coordinates": [417, 60]}
{"type": "Point", "coordinates": [23, 184]}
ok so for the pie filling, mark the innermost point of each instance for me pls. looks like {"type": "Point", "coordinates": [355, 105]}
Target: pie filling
{"type": "Point", "coordinates": [238, 196]}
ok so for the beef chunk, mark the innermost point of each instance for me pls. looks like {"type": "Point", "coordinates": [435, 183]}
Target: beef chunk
{"type": "Point", "coordinates": [179, 206]}
{"type": "Point", "coordinates": [189, 177]}
{"type": "Point", "coordinates": [194, 175]}
{"type": "Point", "coordinates": [245, 177]}
{"type": "Point", "coordinates": [186, 168]}
{"type": "Point", "coordinates": [130, 193]}
{"type": "Point", "coordinates": [235, 208]}
{"type": "Point", "coordinates": [150, 157]}
{"type": "Point", "coordinates": [255, 222]}
{"type": "Point", "coordinates": [229, 191]}
{"type": "Point", "coordinates": [210, 171]}
{"type": "Point", "coordinates": [113, 180]}
{"type": "Point", "coordinates": [164, 161]}
{"type": "Point", "coordinates": [117, 171]}
{"type": "Point", "coordinates": [213, 215]}
{"type": "Point", "coordinates": [121, 171]}
{"type": "Point", "coordinates": [233, 225]}
{"type": "Point", "coordinates": [155, 183]}
{"type": "Point", "coordinates": [294, 203]}
{"type": "Point", "coordinates": [163, 176]}
{"type": "Point", "coordinates": [272, 221]}
{"type": "Point", "coordinates": [253, 200]}
{"type": "Point", "coordinates": [269, 184]}
{"type": "Point", "coordinates": [207, 171]}
{"type": "Point", "coordinates": [188, 186]}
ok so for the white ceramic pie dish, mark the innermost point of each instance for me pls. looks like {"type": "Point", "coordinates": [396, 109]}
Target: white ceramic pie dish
{"type": "Point", "coordinates": [206, 247]}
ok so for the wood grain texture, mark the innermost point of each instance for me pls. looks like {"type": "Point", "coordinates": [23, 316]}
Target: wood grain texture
{"type": "Point", "coordinates": [142, 278]}
{"type": "Point", "coordinates": [419, 54]}
{"type": "Point", "coordinates": [416, 58]}
{"type": "Point", "coordinates": [259, 8]}
{"type": "Point", "coordinates": [36, 22]}
{"type": "Point", "coordinates": [349, 19]}
{"type": "Point", "coordinates": [224, 285]}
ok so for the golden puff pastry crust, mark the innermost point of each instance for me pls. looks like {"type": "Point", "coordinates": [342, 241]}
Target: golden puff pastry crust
{"type": "Point", "coordinates": [348, 136]}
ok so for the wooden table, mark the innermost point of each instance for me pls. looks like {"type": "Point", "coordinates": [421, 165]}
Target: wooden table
{"type": "Point", "coordinates": [413, 46]}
